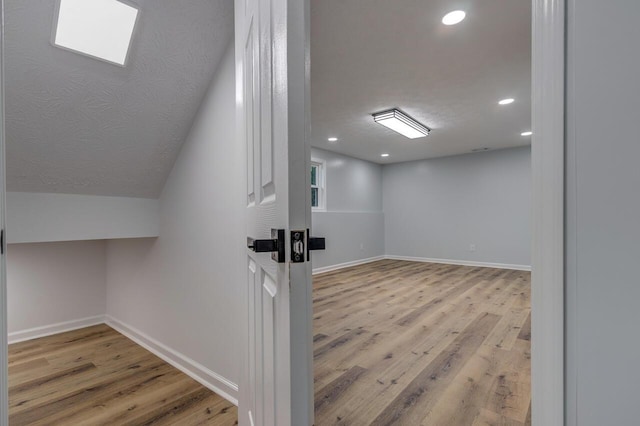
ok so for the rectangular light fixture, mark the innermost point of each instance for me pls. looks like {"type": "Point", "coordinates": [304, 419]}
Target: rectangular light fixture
{"type": "Point", "coordinates": [399, 122]}
{"type": "Point", "coordinates": [101, 29]}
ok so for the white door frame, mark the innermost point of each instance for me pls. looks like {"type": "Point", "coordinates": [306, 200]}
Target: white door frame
{"type": "Point", "coordinates": [547, 260]}
{"type": "Point", "coordinates": [548, 98]}
{"type": "Point", "coordinates": [4, 373]}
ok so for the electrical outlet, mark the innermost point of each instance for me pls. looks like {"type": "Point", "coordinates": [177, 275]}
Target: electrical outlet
{"type": "Point", "coordinates": [472, 247]}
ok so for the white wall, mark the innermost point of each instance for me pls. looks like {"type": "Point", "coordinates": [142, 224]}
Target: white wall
{"type": "Point", "coordinates": [181, 289]}
{"type": "Point", "coordinates": [603, 213]}
{"type": "Point", "coordinates": [353, 224]}
{"type": "Point", "coordinates": [437, 208]}
{"type": "Point", "coordinates": [37, 217]}
{"type": "Point", "coordinates": [51, 283]}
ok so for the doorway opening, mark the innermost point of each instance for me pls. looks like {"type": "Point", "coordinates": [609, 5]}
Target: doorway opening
{"type": "Point", "coordinates": [422, 300]}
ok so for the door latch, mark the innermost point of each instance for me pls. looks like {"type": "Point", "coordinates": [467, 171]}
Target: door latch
{"type": "Point", "coordinates": [300, 239]}
{"type": "Point", "coordinates": [297, 246]}
{"type": "Point", "coordinates": [275, 245]}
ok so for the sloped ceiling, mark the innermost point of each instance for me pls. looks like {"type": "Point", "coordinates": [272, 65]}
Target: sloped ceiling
{"type": "Point", "coordinates": [371, 55]}
{"type": "Point", "coordinates": [78, 125]}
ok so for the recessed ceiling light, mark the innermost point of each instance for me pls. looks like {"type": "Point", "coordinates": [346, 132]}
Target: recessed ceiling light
{"type": "Point", "coordinates": [526, 133]}
{"type": "Point", "coordinates": [506, 101]}
{"type": "Point", "coordinates": [399, 122]}
{"type": "Point", "coordinates": [384, 155]}
{"type": "Point", "coordinates": [454, 17]}
{"type": "Point", "coordinates": [332, 139]}
{"type": "Point", "coordinates": [98, 28]}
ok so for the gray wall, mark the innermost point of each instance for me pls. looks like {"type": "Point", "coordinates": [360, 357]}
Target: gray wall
{"type": "Point", "coordinates": [181, 289]}
{"type": "Point", "coordinates": [50, 283]}
{"type": "Point", "coordinates": [437, 208]}
{"type": "Point", "coordinates": [353, 223]}
{"type": "Point", "coordinates": [603, 212]}
{"type": "Point", "coordinates": [39, 217]}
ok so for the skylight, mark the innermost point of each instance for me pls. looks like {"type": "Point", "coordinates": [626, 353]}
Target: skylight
{"type": "Point", "coordinates": [99, 28]}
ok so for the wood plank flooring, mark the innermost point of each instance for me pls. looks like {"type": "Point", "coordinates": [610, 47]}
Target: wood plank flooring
{"type": "Point", "coordinates": [96, 376]}
{"type": "Point", "coordinates": [407, 343]}
{"type": "Point", "coordinates": [395, 343]}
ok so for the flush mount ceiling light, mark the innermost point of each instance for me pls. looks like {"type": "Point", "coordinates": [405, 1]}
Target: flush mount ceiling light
{"type": "Point", "coordinates": [526, 133]}
{"type": "Point", "coordinates": [506, 101]}
{"type": "Point", "coordinates": [332, 139]}
{"type": "Point", "coordinates": [454, 17]}
{"type": "Point", "coordinates": [384, 155]}
{"type": "Point", "coordinates": [399, 122]}
{"type": "Point", "coordinates": [101, 29]}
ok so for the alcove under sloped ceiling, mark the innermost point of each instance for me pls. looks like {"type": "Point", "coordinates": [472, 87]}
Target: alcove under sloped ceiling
{"type": "Point", "coordinates": [78, 125]}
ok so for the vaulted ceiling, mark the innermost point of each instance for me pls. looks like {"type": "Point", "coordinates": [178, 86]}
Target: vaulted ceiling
{"type": "Point", "coordinates": [371, 55]}
{"type": "Point", "coordinates": [79, 125]}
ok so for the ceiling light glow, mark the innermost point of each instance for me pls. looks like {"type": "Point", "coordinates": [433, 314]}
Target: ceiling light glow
{"type": "Point", "coordinates": [332, 139]}
{"type": "Point", "coordinates": [384, 155]}
{"type": "Point", "coordinates": [454, 17]}
{"type": "Point", "coordinates": [399, 122]}
{"type": "Point", "coordinates": [506, 101]}
{"type": "Point", "coordinates": [526, 133]}
{"type": "Point", "coordinates": [98, 28]}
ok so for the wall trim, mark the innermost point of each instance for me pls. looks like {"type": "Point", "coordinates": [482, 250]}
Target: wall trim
{"type": "Point", "coordinates": [461, 262]}
{"type": "Point", "coordinates": [51, 329]}
{"type": "Point", "coordinates": [209, 379]}
{"type": "Point", "coordinates": [338, 266]}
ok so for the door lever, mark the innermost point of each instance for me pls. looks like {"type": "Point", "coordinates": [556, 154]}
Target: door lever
{"type": "Point", "coordinates": [275, 245]}
{"type": "Point", "coordinates": [314, 243]}
{"type": "Point", "coordinates": [262, 246]}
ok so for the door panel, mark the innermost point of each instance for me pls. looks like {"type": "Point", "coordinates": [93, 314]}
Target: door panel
{"type": "Point", "coordinates": [249, 106]}
{"type": "Point", "coordinates": [272, 126]}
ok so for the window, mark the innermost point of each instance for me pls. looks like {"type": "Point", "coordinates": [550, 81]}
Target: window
{"type": "Point", "coordinates": [317, 185]}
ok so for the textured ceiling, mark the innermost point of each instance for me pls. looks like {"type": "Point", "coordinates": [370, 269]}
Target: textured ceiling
{"type": "Point", "coordinates": [78, 125]}
{"type": "Point", "coordinates": [372, 55]}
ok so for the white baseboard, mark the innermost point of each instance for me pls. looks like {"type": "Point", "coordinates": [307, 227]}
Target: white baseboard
{"type": "Point", "coordinates": [220, 385]}
{"type": "Point", "coordinates": [48, 330]}
{"type": "Point", "coordinates": [461, 262]}
{"type": "Point", "coordinates": [346, 265]}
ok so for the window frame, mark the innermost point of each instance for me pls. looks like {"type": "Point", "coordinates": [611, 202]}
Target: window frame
{"type": "Point", "coordinates": [321, 166]}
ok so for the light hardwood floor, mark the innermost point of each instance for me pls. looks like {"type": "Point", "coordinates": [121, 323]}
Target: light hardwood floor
{"type": "Point", "coordinates": [395, 342]}
{"type": "Point", "coordinates": [406, 343]}
{"type": "Point", "coordinates": [96, 376]}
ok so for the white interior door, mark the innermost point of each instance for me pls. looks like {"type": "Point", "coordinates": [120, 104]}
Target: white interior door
{"type": "Point", "coordinates": [272, 78]}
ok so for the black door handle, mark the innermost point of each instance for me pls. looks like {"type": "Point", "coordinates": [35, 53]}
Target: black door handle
{"type": "Point", "coordinates": [316, 243]}
{"type": "Point", "coordinates": [275, 245]}
{"type": "Point", "coordinates": [262, 246]}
